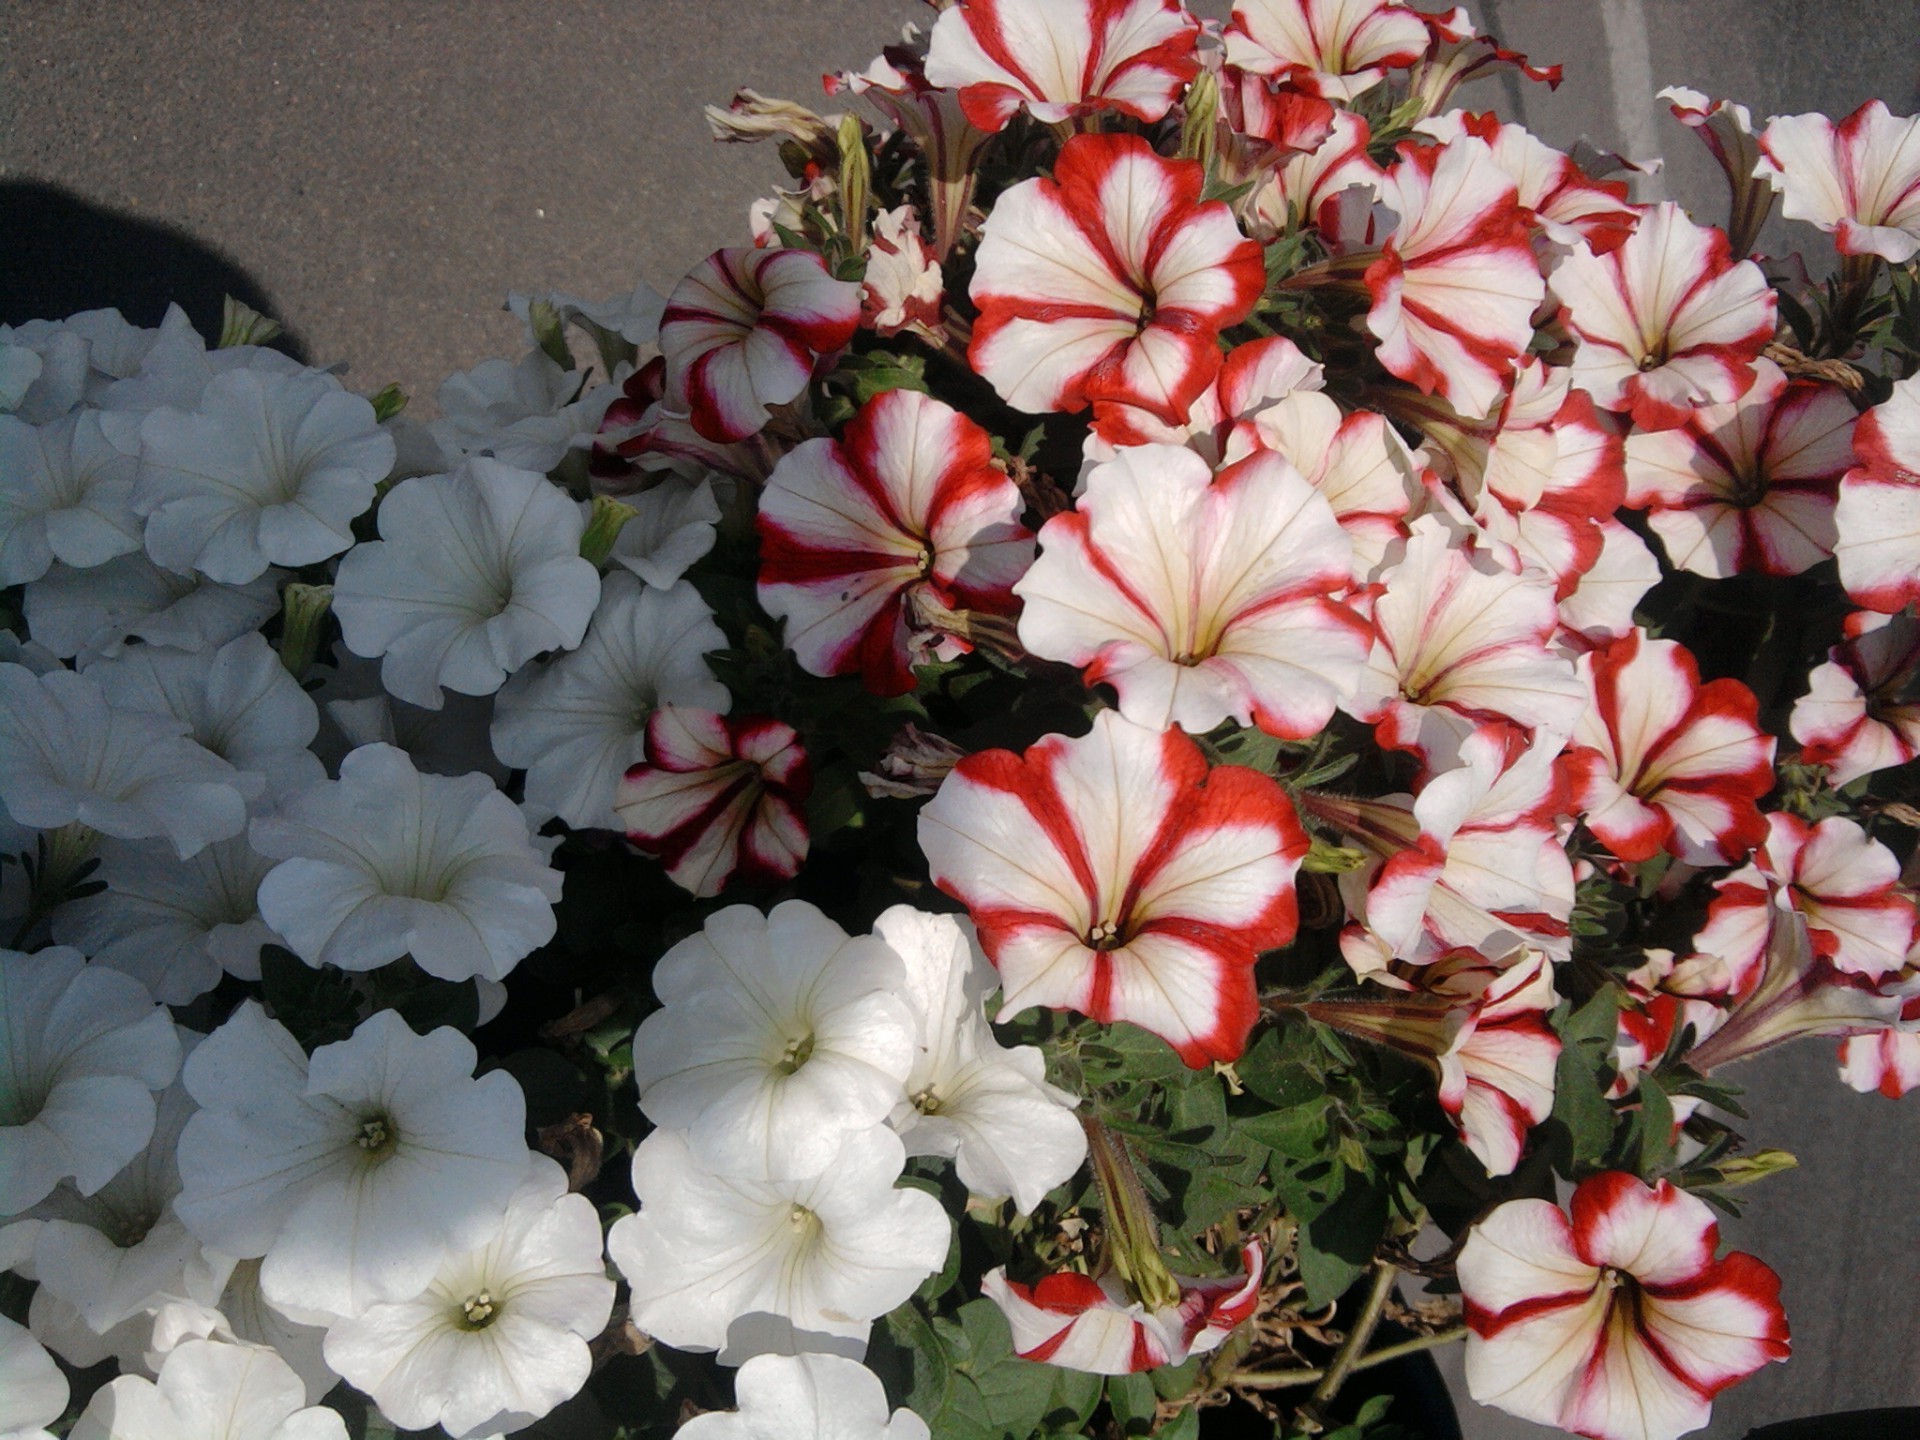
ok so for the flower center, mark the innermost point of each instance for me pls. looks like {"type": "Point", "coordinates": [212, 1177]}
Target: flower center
{"type": "Point", "coordinates": [479, 1309]}
{"type": "Point", "coordinates": [927, 1101]}
{"type": "Point", "coordinates": [133, 1228]}
{"type": "Point", "coordinates": [376, 1135]}
{"type": "Point", "coordinates": [1106, 935]}
{"type": "Point", "coordinates": [797, 1053]}
{"type": "Point", "coordinates": [802, 1220]}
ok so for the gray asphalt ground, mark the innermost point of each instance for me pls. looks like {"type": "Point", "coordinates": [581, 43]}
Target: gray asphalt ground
{"type": "Point", "coordinates": [383, 173]}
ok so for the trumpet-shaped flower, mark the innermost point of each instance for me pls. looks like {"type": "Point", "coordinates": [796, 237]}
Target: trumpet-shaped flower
{"type": "Point", "coordinates": [1562, 203]}
{"type": "Point", "coordinates": [82, 1051]}
{"type": "Point", "coordinates": [1198, 599]}
{"type": "Point", "coordinates": [526, 414]}
{"type": "Point", "coordinates": [475, 573]}
{"type": "Point", "coordinates": [1887, 1062]}
{"type": "Point", "coordinates": [67, 755]}
{"type": "Point", "coordinates": [355, 1172]}
{"type": "Point", "coordinates": [853, 530]}
{"type": "Point", "coordinates": [1861, 712]}
{"type": "Point", "coordinates": [1659, 759]}
{"type": "Point", "coordinates": [1858, 179]}
{"type": "Point", "coordinates": [33, 1389]}
{"type": "Point", "coordinates": [1619, 1324]}
{"type": "Point", "coordinates": [672, 528]}
{"type": "Point", "coordinates": [1878, 512]}
{"type": "Point", "coordinates": [1063, 58]}
{"type": "Point", "coordinates": [903, 288]}
{"type": "Point", "coordinates": [806, 1397]}
{"type": "Point", "coordinates": [1456, 285]}
{"type": "Point", "coordinates": [1320, 187]}
{"type": "Point", "coordinates": [987, 1108]}
{"type": "Point", "coordinates": [208, 1390]}
{"type": "Point", "coordinates": [1110, 281]}
{"type": "Point", "coordinates": [741, 1263]}
{"type": "Point", "coordinates": [1726, 129]}
{"type": "Point", "coordinates": [1253, 378]}
{"type": "Point", "coordinates": [742, 332]}
{"type": "Point", "coordinates": [66, 493]}
{"type": "Point", "coordinates": [1747, 487]}
{"type": "Point", "coordinates": [718, 799]}
{"type": "Point", "coordinates": [1667, 323]}
{"type": "Point", "coordinates": [89, 613]}
{"type": "Point", "coordinates": [1334, 48]}
{"type": "Point", "coordinates": [779, 1035]}
{"type": "Point", "coordinates": [386, 862]}
{"type": "Point", "coordinates": [1115, 875]}
{"type": "Point", "coordinates": [577, 724]}
{"type": "Point", "coordinates": [266, 470]}
{"type": "Point", "coordinates": [499, 1336]}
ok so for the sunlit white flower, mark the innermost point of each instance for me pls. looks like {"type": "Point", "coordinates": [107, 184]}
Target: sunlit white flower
{"type": "Point", "coordinates": [475, 573]}
{"type": "Point", "coordinates": [806, 1397]}
{"type": "Point", "coordinates": [526, 415]}
{"type": "Point", "coordinates": [82, 1049]}
{"type": "Point", "coordinates": [89, 613]}
{"type": "Point", "coordinates": [1861, 712]}
{"type": "Point", "coordinates": [741, 1263]}
{"type": "Point", "coordinates": [577, 724]}
{"type": "Point", "coordinates": [210, 1391]}
{"type": "Point", "coordinates": [67, 755]}
{"type": "Point", "coordinates": [66, 493]}
{"type": "Point", "coordinates": [499, 1336]}
{"type": "Point", "coordinates": [242, 1315]}
{"type": "Point", "coordinates": [969, 1099]}
{"type": "Point", "coordinates": [33, 1390]}
{"type": "Point", "coordinates": [355, 1173]}
{"type": "Point", "coordinates": [780, 1034]}
{"type": "Point", "coordinates": [266, 470]}
{"type": "Point", "coordinates": [386, 862]}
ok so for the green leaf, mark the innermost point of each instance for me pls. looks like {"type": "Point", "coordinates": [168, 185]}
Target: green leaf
{"type": "Point", "coordinates": [1076, 1395]}
{"type": "Point", "coordinates": [1184, 1426]}
{"type": "Point", "coordinates": [1336, 1246]}
{"type": "Point", "coordinates": [1299, 1132]}
{"type": "Point", "coordinates": [1133, 1402]}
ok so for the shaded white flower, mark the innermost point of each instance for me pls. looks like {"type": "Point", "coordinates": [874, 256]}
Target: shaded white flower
{"type": "Point", "coordinates": [90, 613]}
{"type": "Point", "coordinates": [634, 317]}
{"type": "Point", "coordinates": [526, 414]}
{"type": "Point", "coordinates": [355, 1173]}
{"type": "Point", "coordinates": [988, 1109]}
{"type": "Point", "coordinates": [781, 1034]}
{"type": "Point", "coordinates": [19, 368]}
{"type": "Point", "coordinates": [752, 1264]}
{"type": "Point", "coordinates": [806, 1397]}
{"type": "Point", "coordinates": [499, 1337]}
{"type": "Point", "coordinates": [209, 1391]}
{"type": "Point", "coordinates": [576, 725]}
{"type": "Point", "coordinates": [82, 1049]}
{"type": "Point", "coordinates": [33, 1391]}
{"type": "Point", "coordinates": [66, 493]}
{"type": "Point", "coordinates": [475, 573]}
{"type": "Point", "coordinates": [266, 470]}
{"type": "Point", "coordinates": [673, 526]}
{"type": "Point", "coordinates": [386, 862]}
{"type": "Point", "coordinates": [449, 741]}
{"type": "Point", "coordinates": [174, 925]}
{"type": "Point", "coordinates": [67, 755]}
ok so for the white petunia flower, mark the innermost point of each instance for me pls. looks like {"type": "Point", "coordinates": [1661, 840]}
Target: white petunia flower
{"type": "Point", "coordinates": [20, 367]}
{"type": "Point", "coordinates": [266, 470]}
{"type": "Point", "coordinates": [475, 573]}
{"type": "Point", "coordinates": [66, 493]}
{"type": "Point", "coordinates": [82, 1049]}
{"type": "Point", "coordinates": [177, 367]}
{"type": "Point", "coordinates": [577, 724]}
{"type": "Point", "coordinates": [386, 862]}
{"type": "Point", "coordinates": [634, 317]}
{"type": "Point", "coordinates": [355, 1173]}
{"type": "Point", "coordinates": [673, 526]}
{"type": "Point", "coordinates": [174, 925]}
{"type": "Point", "coordinates": [526, 415]}
{"type": "Point", "coordinates": [243, 1316]}
{"type": "Point", "coordinates": [209, 1391]}
{"type": "Point", "coordinates": [67, 755]}
{"type": "Point", "coordinates": [780, 1036]}
{"type": "Point", "coordinates": [59, 1326]}
{"type": "Point", "coordinates": [33, 1391]}
{"type": "Point", "coordinates": [239, 700]}
{"type": "Point", "coordinates": [806, 1397]}
{"type": "Point", "coordinates": [499, 1337]}
{"type": "Point", "coordinates": [968, 1099]}
{"type": "Point", "coordinates": [117, 1253]}
{"type": "Point", "coordinates": [86, 614]}
{"type": "Point", "coordinates": [752, 1264]}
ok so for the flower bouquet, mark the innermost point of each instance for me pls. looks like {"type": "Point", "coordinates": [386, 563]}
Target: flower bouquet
{"type": "Point", "coordinates": [1155, 748]}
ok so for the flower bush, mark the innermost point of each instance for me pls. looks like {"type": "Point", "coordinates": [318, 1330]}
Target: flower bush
{"type": "Point", "coordinates": [1152, 745]}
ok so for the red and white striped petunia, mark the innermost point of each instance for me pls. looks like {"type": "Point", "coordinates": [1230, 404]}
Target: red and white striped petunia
{"type": "Point", "coordinates": [1111, 281]}
{"type": "Point", "coordinates": [1456, 284]}
{"type": "Point", "coordinates": [1309, 188]}
{"type": "Point", "coordinates": [1659, 759]}
{"type": "Point", "coordinates": [1878, 513]}
{"type": "Point", "coordinates": [743, 331]}
{"type": "Point", "coordinates": [1334, 48]}
{"type": "Point", "coordinates": [1462, 642]}
{"type": "Point", "coordinates": [1565, 204]}
{"type": "Point", "coordinates": [1666, 323]}
{"type": "Point", "coordinates": [1726, 129]}
{"type": "Point", "coordinates": [1747, 488]}
{"type": "Point", "coordinates": [1116, 876]}
{"type": "Point", "coordinates": [1859, 180]}
{"type": "Point", "coordinates": [1619, 1324]}
{"type": "Point", "coordinates": [1861, 712]}
{"type": "Point", "coordinates": [1063, 58]}
{"type": "Point", "coordinates": [907, 499]}
{"type": "Point", "coordinates": [718, 799]}
{"type": "Point", "coordinates": [1198, 599]}
{"type": "Point", "coordinates": [1253, 377]}
{"type": "Point", "coordinates": [1844, 884]}
{"type": "Point", "coordinates": [1888, 1062]}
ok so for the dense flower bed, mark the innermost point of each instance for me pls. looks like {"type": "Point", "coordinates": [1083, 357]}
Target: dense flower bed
{"type": "Point", "coordinates": [1153, 748]}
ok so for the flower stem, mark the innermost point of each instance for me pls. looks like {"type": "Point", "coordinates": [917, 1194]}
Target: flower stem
{"type": "Point", "coordinates": [1282, 1379]}
{"type": "Point", "coordinates": [1355, 1345]}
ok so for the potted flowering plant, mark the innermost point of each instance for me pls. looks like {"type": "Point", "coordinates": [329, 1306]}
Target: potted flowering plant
{"type": "Point", "coordinates": [1152, 750]}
